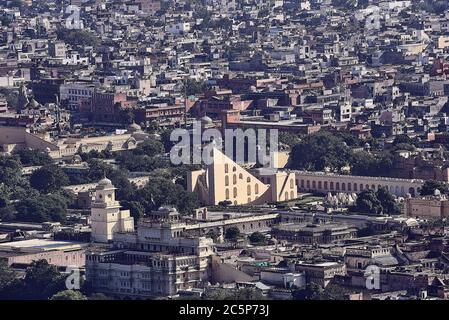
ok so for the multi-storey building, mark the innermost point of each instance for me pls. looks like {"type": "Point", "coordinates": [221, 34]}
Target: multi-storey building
{"type": "Point", "coordinates": [75, 93]}
{"type": "Point", "coordinates": [157, 259]}
{"type": "Point", "coordinates": [428, 207]}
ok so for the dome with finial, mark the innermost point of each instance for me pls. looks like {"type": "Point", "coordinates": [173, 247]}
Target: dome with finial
{"type": "Point", "coordinates": [206, 120]}
{"type": "Point", "coordinates": [77, 158]}
{"type": "Point", "coordinates": [105, 182]}
{"type": "Point", "coordinates": [33, 104]}
{"type": "Point", "coordinates": [134, 127]}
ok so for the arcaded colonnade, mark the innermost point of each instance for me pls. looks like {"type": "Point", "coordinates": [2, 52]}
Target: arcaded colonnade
{"type": "Point", "coordinates": [329, 182]}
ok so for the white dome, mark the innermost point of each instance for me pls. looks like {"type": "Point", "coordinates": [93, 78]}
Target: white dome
{"type": "Point", "coordinates": [134, 127]}
{"type": "Point", "coordinates": [105, 182]}
{"type": "Point", "coordinates": [206, 120]}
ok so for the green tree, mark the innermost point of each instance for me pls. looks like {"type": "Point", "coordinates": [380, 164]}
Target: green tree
{"type": "Point", "coordinates": [6, 275]}
{"type": "Point", "coordinates": [52, 207]}
{"type": "Point", "coordinates": [10, 171]}
{"type": "Point", "coordinates": [125, 189]}
{"type": "Point", "coordinates": [161, 191]}
{"type": "Point", "coordinates": [68, 295]}
{"type": "Point", "coordinates": [41, 282]}
{"type": "Point", "coordinates": [387, 201]}
{"type": "Point", "coordinates": [49, 178]}
{"type": "Point", "coordinates": [77, 37]}
{"type": "Point", "coordinates": [232, 233]}
{"type": "Point", "coordinates": [402, 139]}
{"type": "Point", "coordinates": [257, 238]}
{"type": "Point", "coordinates": [312, 291]}
{"type": "Point", "coordinates": [136, 209]}
{"type": "Point", "coordinates": [213, 234]}
{"type": "Point", "coordinates": [429, 187]}
{"type": "Point", "coordinates": [289, 139]}
{"type": "Point", "coordinates": [32, 157]}
{"type": "Point", "coordinates": [4, 196]}
{"type": "Point", "coordinates": [98, 169]}
{"type": "Point", "coordinates": [367, 202]}
{"type": "Point", "coordinates": [403, 146]}
{"type": "Point", "coordinates": [320, 150]}
{"type": "Point", "coordinates": [368, 164]}
{"type": "Point", "coordinates": [193, 87]}
{"type": "Point", "coordinates": [150, 148]}
{"type": "Point", "coordinates": [245, 294]}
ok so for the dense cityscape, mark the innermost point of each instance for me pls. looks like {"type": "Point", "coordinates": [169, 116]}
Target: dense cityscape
{"type": "Point", "coordinates": [224, 150]}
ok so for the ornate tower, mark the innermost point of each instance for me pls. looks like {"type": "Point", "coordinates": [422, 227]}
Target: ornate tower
{"type": "Point", "coordinates": [106, 216]}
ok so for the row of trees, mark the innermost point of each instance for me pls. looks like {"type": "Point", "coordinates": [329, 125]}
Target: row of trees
{"type": "Point", "coordinates": [313, 291]}
{"type": "Point", "coordinates": [42, 281]}
{"type": "Point", "coordinates": [324, 149]}
{"type": "Point", "coordinates": [233, 233]}
{"type": "Point", "coordinates": [37, 199]}
{"type": "Point", "coordinates": [376, 203]}
{"type": "Point", "coordinates": [78, 37]}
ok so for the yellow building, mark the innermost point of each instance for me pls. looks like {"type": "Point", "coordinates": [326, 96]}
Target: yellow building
{"type": "Point", "coordinates": [225, 180]}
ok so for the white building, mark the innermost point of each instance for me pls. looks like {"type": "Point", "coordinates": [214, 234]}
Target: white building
{"type": "Point", "coordinates": [75, 93]}
{"type": "Point", "coordinates": [106, 216]}
{"type": "Point", "coordinates": [178, 27]}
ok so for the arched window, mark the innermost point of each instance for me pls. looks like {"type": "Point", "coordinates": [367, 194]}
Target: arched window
{"type": "Point", "coordinates": [241, 176]}
{"type": "Point", "coordinates": [292, 195]}
{"type": "Point", "coordinates": [234, 169]}
{"type": "Point", "coordinates": [235, 192]}
{"type": "Point", "coordinates": [227, 194]}
{"type": "Point", "coordinates": [249, 200]}
{"type": "Point", "coordinates": [256, 189]}
{"type": "Point", "coordinates": [234, 179]}
{"type": "Point", "coordinates": [248, 190]}
{"type": "Point", "coordinates": [226, 181]}
{"type": "Point", "coordinates": [286, 195]}
{"type": "Point", "coordinates": [226, 168]}
{"type": "Point", "coordinates": [292, 184]}
{"type": "Point", "coordinates": [248, 179]}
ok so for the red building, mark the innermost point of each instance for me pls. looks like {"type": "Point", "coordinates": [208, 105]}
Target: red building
{"type": "Point", "coordinates": [109, 107]}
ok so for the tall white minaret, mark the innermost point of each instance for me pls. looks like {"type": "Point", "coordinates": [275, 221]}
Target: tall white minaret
{"type": "Point", "coordinates": [106, 216]}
